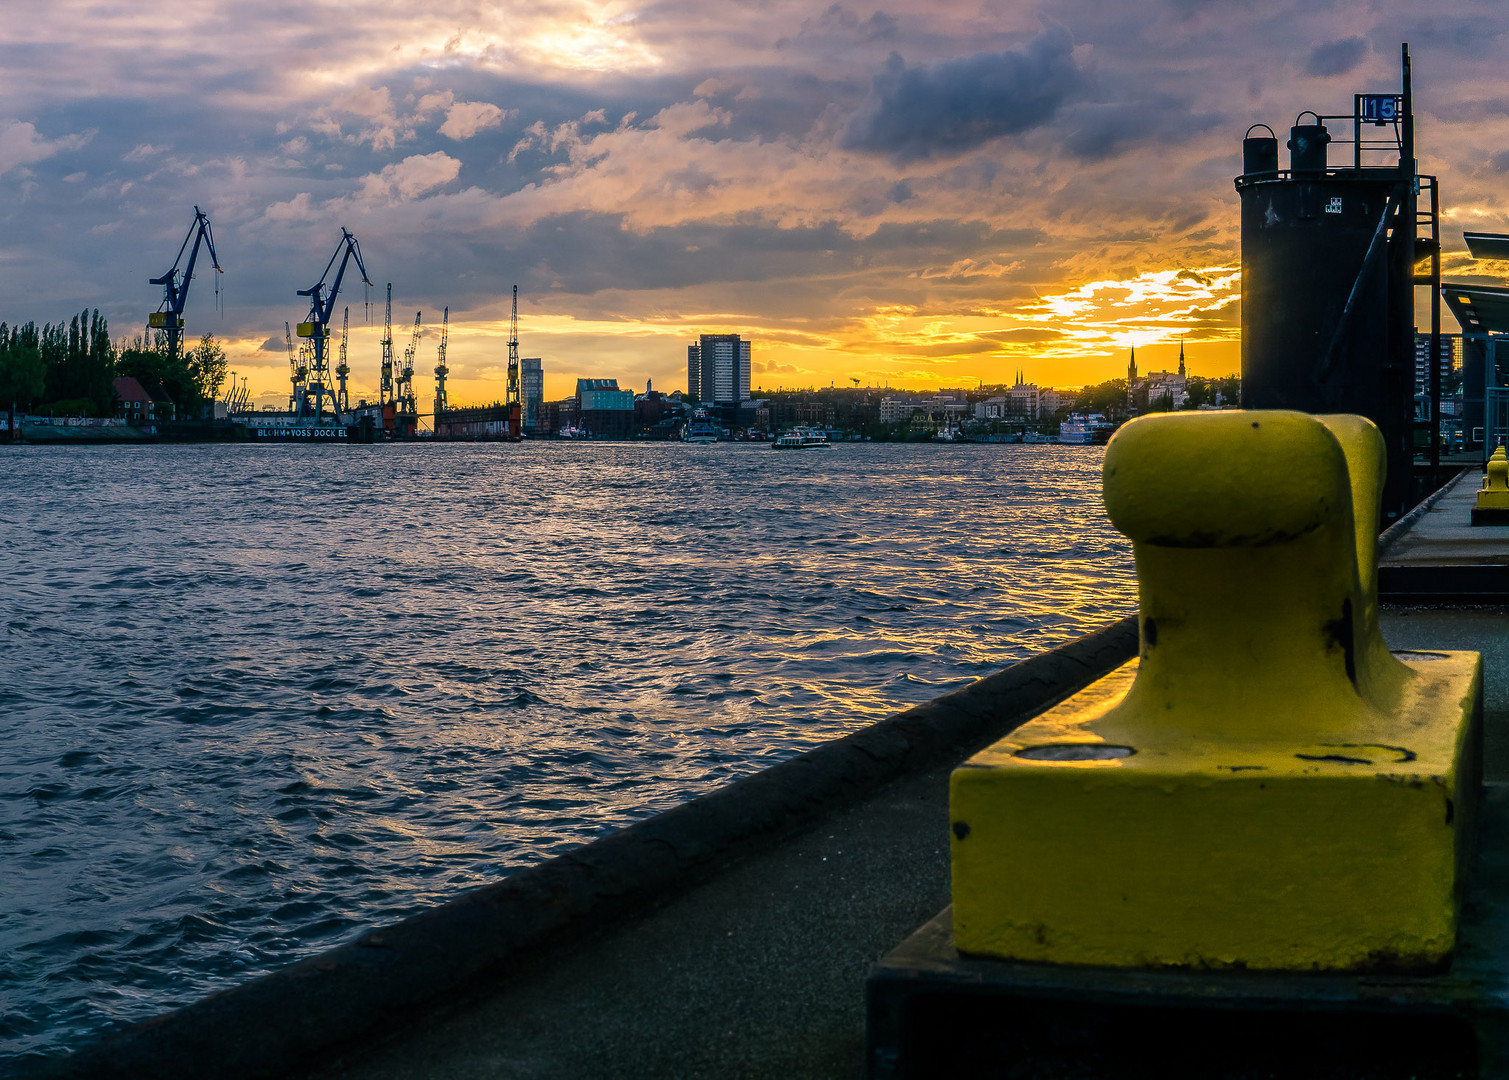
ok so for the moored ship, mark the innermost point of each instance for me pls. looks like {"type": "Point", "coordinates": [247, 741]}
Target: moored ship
{"type": "Point", "coordinates": [1085, 430]}
{"type": "Point", "coordinates": [700, 430]}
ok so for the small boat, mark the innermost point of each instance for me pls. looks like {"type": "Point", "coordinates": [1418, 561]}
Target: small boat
{"type": "Point", "coordinates": [801, 439]}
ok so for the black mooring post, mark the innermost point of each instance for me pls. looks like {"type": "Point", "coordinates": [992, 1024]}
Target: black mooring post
{"type": "Point", "coordinates": [1435, 338]}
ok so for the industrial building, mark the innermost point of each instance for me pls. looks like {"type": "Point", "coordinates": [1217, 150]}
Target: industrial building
{"type": "Point", "coordinates": [603, 411]}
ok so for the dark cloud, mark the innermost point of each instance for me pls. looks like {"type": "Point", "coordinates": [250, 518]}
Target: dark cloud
{"type": "Point", "coordinates": [583, 253]}
{"type": "Point", "coordinates": [1336, 57]}
{"type": "Point", "coordinates": [956, 105]}
{"type": "Point", "coordinates": [838, 22]}
{"type": "Point", "coordinates": [1102, 131]}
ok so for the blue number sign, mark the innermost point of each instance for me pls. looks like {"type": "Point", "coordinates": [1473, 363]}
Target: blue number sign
{"type": "Point", "coordinates": [1381, 108]}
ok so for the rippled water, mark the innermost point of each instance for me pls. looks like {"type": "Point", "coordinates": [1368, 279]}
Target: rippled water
{"type": "Point", "coordinates": [254, 699]}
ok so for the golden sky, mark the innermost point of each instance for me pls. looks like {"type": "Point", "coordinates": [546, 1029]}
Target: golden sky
{"type": "Point", "coordinates": [914, 195]}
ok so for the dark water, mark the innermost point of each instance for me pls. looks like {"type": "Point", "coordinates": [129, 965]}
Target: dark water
{"type": "Point", "coordinates": [256, 699]}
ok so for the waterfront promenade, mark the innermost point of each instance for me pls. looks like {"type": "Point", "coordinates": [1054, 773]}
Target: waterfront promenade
{"type": "Point", "coordinates": [760, 970]}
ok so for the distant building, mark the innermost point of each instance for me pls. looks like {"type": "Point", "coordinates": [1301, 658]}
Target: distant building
{"type": "Point", "coordinates": [1023, 400]}
{"type": "Point", "coordinates": [1166, 387]}
{"type": "Point", "coordinates": [603, 410]}
{"type": "Point", "coordinates": [1050, 402]}
{"type": "Point", "coordinates": [717, 369]}
{"type": "Point", "coordinates": [135, 404]}
{"type": "Point", "coordinates": [532, 388]}
{"type": "Point", "coordinates": [1451, 361]}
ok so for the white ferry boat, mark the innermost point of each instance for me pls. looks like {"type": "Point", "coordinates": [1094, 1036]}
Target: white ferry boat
{"type": "Point", "coordinates": [801, 439]}
{"type": "Point", "coordinates": [700, 430]}
{"type": "Point", "coordinates": [1084, 430]}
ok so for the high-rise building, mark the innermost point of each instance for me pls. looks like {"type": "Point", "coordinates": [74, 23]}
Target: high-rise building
{"type": "Point", "coordinates": [1450, 360]}
{"type": "Point", "coordinates": [532, 389]}
{"type": "Point", "coordinates": [717, 369]}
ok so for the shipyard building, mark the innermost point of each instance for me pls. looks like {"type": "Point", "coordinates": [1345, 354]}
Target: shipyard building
{"type": "Point", "coordinates": [603, 411]}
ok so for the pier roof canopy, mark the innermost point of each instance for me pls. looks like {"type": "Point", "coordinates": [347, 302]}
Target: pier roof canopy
{"type": "Point", "coordinates": [1487, 245]}
{"type": "Point", "coordinates": [1480, 309]}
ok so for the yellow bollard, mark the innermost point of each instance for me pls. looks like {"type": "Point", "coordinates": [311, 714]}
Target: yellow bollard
{"type": "Point", "coordinates": [1267, 786]}
{"type": "Point", "coordinates": [1494, 494]}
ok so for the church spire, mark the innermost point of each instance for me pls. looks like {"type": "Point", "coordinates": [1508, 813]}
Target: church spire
{"type": "Point", "coordinates": [1181, 357]}
{"type": "Point", "coordinates": [1132, 367]}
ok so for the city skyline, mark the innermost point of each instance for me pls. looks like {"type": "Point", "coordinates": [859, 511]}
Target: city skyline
{"type": "Point", "coordinates": [908, 198]}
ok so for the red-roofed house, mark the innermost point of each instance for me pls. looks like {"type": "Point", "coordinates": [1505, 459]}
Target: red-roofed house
{"type": "Point", "coordinates": [133, 403]}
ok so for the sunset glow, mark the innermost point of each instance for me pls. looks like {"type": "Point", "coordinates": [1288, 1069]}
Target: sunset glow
{"type": "Point", "coordinates": [910, 197]}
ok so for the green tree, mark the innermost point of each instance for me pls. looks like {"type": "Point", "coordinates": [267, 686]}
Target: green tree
{"type": "Point", "coordinates": [22, 373]}
{"type": "Point", "coordinates": [207, 367]}
{"type": "Point", "coordinates": [79, 363]}
{"type": "Point", "coordinates": [1108, 398]}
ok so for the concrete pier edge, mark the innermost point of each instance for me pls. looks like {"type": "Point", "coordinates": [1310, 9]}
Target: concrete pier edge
{"type": "Point", "coordinates": [1392, 534]}
{"type": "Point", "coordinates": [284, 1021]}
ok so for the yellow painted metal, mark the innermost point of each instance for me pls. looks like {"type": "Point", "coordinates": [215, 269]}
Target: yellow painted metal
{"type": "Point", "coordinates": [1494, 494]}
{"type": "Point", "coordinates": [312, 329]}
{"type": "Point", "coordinates": [1267, 786]}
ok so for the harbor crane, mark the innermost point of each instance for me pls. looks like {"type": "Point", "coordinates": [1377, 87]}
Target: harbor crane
{"type": "Point", "coordinates": [406, 411]}
{"type": "Point", "coordinates": [169, 316]}
{"type": "Point", "coordinates": [298, 370]}
{"type": "Point", "coordinates": [237, 398]}
{"type": "Point", "coordinates": [343, 369]}
{"type": "Point", "coordinates": [441, 371]}
{"type": "Point", "coordinates": [515, 405]}
{"type": "Point", "coordinates": [385, 387]}
{"type": "Point", "coordinates": [316, 327]}
{"type": "Point", "coordinates": [513, 350]}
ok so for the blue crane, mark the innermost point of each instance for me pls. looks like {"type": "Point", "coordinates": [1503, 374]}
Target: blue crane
{"type": "Point", "coordinates": [169, 315]}
{"type": "Point", "coordinates": [321, 305]}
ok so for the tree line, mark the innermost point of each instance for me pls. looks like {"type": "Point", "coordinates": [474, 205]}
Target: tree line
{"type": "Point", "coordinates": [69, 369]}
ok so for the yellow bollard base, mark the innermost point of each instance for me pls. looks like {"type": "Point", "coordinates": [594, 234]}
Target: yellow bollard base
{"type": "Point", "coordinates": [1493, 500]}
{"type": "Point", "coordinates": [1091, 837]}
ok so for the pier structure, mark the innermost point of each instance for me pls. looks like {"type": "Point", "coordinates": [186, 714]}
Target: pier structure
{"type": "Point", "coordinates": [1330, 253]}
{"type": "Point", "coordinates": [1483, 312]}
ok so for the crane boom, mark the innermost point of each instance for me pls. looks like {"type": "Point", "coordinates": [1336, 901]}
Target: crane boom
{"type": "Point", "coordinates": [169, 315]}
{"type": "Point", "coordinates": [408, 353]}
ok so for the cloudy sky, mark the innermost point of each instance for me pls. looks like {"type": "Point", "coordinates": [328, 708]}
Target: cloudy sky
{"type": "Point", "coordinates": [914, 195]}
